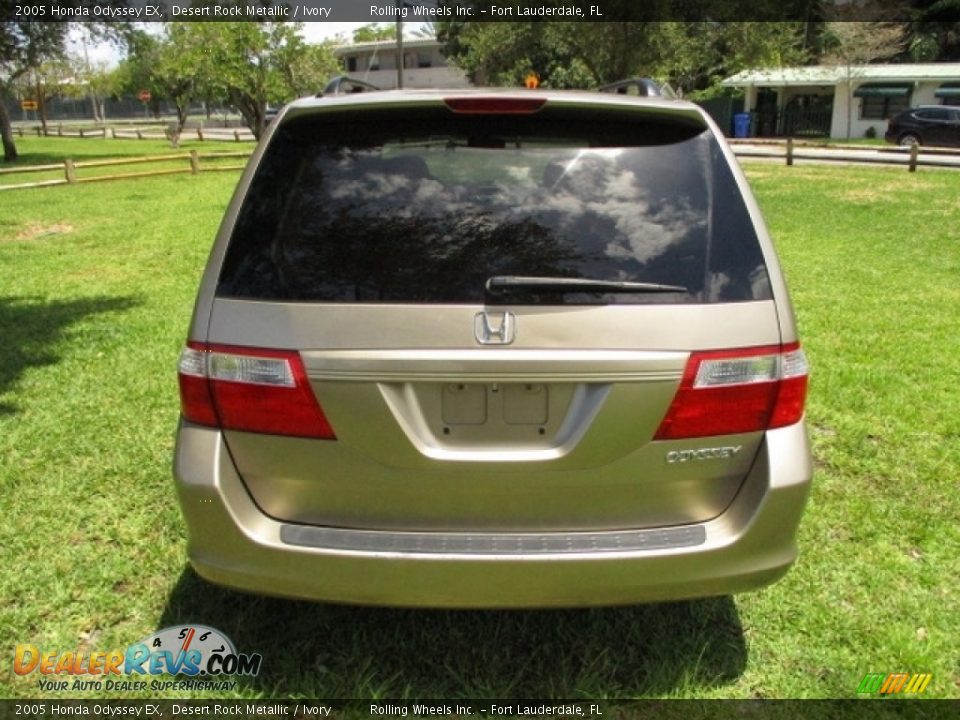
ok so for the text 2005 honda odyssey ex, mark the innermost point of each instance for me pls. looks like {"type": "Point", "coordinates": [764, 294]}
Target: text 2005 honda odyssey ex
{"type": "Point", "coordinates": [494, 349]}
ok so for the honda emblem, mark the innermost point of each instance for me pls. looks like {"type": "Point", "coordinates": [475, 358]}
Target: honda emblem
{"type": "Point", "coordinates": [494, 328]}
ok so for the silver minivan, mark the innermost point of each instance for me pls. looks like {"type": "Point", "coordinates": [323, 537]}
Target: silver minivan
{"type": "Point", "coordinates": [492, 349]}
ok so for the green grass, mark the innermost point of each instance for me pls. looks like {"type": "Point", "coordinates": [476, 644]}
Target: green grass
{"type": "Point", "coordinates": [96, 292]}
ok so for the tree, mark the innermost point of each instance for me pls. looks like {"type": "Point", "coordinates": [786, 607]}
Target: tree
{"type": "Point", "coordinates": [426, 30]}
{"type": "Point", "coordinates": [23, 46]}
{"type": "Point", "coordinates": [92, 80]}
{"type": "Point", "coordinates": [310, 68]}
{"type": "Point", "coordinates": [691, 56]}
{"type": "Point", "coordinates": [43, 83]}
{"type": "Point", "coordinates": [934, 33]}
{"type": "Point", "coordinates": [250, 64]}
{"type": "Point", "coordinates": [135, 72]}
{"type": "Point", "coordinates": [374, 31]}
{"type": "Point", "coordinates": [562, 54]}
{"type": "Point", "coordinates": [171, 77]}
{"type": "Point", "coordinates": [849, 44]}
{"type": "Point", "coordinates": [695, 56]}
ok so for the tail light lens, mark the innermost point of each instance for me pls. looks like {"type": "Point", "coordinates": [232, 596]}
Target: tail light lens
{"type": "Point", "coordinates": [249, 389]}
{"type": "Point", "coordinates": [737, 391]}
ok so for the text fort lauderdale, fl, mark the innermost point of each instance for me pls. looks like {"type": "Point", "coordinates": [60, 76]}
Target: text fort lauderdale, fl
{"type": "Point", "coordinates": [416, 11]}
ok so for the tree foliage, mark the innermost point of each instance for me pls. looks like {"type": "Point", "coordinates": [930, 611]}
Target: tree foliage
{"type": "Point", "coordinates": [42, 83]}
{"type": "Point", "coordinates": [375, 31]}
{"type": "Point", "coordinates": [244, 64]}
{"type": "Point", "coordinates": [690, 56]}
{"type": "Point", "coordinates": [693, 57]}
{"type": "Point", "coordinates": [27, 46]}
{"type": "Point", "coordinates": [23, 46]}
{"type": "Point", "coordinates": [693, 53]}
{"type": "Point", "coordinates": [849, 43]}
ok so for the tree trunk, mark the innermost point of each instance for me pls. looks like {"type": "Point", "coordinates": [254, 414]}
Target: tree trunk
{"type": "Point", "coordinates": [42, 104]}
{"type": "Point", "coordinates": [253, 111]}
{"type": "Point", "coordinates": [95, 107]}
{"type": "Point", "coordinates": [182, 108]}
{"type": "Point", "coordinates": [6, 131]}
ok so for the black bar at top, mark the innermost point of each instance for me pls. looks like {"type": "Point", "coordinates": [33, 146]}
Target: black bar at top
{"type": "Point", "coordinates": [416, 11]}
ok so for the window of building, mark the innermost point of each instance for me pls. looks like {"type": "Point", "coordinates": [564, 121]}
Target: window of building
{"type": "Point", "coordinates": [352, 63]}
{"type": "Point", "coordinates": [880, 101]}
{"type": "Point", "coordinates": [424, 58]}
{"type": "Point", "coordinates": [882, 108]}
{"type": "Point", "coordinates": [948, 93]}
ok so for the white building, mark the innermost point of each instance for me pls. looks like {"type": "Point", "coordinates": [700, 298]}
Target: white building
{"type": "Point", "coordinates": [824, 99]}
{"type": "Point", "coordinates": [424, 65]}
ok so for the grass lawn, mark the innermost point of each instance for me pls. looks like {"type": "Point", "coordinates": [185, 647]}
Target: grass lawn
{"type": "Point", "coordinates": [96, 292]}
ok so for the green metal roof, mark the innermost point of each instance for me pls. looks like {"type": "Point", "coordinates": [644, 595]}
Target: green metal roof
{"type": "Point", "coordinates": [834, 74]}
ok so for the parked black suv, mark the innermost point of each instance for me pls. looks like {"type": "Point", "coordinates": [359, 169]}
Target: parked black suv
{"type": "Point", "coordinates": [926, 125]}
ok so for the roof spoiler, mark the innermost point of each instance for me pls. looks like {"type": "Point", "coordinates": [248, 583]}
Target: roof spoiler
{"type": "Point", "coordinates": [343, 85]}
{"type": "Point", "coordinates": [640, 87]}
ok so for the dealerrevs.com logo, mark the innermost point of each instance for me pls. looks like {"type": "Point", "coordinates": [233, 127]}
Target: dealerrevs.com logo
{"type": "Point", "coordinates": [202, 656]}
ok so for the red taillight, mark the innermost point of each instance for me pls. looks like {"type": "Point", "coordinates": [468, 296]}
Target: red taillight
{"type": "Point", "coordinates": [737, 391]}
{"type": "Point", "coordinates": [249, 389]}
{"type": "Point", "coordinates": [494, 105]}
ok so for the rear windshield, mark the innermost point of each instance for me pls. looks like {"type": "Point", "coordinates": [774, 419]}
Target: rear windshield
{"type": "Point", "coordinates": [425, 206]}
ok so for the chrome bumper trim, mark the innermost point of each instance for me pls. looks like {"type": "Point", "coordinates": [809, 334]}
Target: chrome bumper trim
{"type": "Point", "coordinates": [485, 544]}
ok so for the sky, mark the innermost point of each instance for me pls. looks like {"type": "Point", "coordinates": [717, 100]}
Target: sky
{"type": "Point", "coordinates": [312, 32]}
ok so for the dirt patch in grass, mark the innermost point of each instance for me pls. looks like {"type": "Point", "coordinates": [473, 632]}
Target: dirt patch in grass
{"type": "Point", "coordinates": [39, 230]}
{"type": "Point", "coordinates": [887, 192]}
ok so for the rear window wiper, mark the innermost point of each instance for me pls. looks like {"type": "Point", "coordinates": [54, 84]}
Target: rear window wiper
{"type": "Point", "coordinates": [503, 283]}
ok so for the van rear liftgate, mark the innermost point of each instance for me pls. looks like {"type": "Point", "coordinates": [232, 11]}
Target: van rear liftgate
{"type": "Point", "coordinates": [498, 322]}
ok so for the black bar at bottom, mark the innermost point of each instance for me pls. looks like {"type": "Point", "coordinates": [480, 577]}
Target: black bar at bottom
{"type": "Point", "coordinates": [485, 709]}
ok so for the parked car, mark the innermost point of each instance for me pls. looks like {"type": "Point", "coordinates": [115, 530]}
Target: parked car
{"type": "Point", "coordinates": [492, 349]}
{"type": "Point", "coordinates": [925, 125]}
{"type": "Point", "coordinates": [270, 114]}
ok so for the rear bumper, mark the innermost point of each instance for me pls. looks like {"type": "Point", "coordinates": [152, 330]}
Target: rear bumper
{"type": "Point", "coordinates": [232, 543]}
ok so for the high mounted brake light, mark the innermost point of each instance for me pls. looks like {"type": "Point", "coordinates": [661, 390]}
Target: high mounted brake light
{"type": "Point", "coordinates": [736, 391]}
{"type": "Point", "coordinates": [249, 389]}
{"type": "Point", "coordinates": [494, 105]}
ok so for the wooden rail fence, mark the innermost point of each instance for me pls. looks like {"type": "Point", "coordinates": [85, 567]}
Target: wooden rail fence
{"type": "Point", "coordinates": [69, 168]}
{"type": "Point", "coordinates": [138, 133]}
{"type": "Point", "coordinates": [903, 157]}
{"type": "Point", "coordinates": [909, 157]}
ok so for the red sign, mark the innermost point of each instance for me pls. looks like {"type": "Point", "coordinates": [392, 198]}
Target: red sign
{"type": "Point", "coordinates": [144, 96]}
